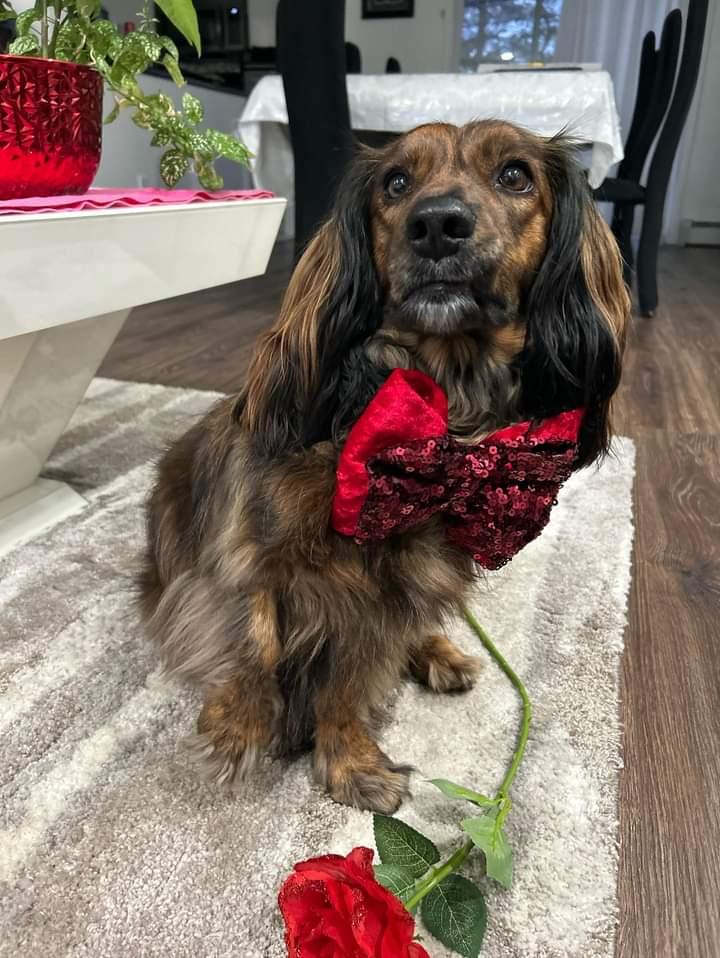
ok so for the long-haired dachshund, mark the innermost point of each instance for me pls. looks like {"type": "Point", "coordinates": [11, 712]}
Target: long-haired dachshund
{"type": "Point", "coordinates": [474, 254]}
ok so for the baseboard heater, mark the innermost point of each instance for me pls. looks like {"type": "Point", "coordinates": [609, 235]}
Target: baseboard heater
{"type": "Point", "coordinates": [699, 233]}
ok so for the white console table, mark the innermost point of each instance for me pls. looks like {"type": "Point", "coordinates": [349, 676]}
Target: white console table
{"type": "Point", "coordinates": [68, 281]}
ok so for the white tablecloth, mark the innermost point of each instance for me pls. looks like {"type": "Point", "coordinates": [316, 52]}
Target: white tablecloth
{"type": "Point", "coordinates": [581, 102]}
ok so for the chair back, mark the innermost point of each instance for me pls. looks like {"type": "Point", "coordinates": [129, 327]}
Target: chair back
{"type": "Point", "coordinates": [655, 108]}
{"type": "Point", "coordinates": [643, 95]}
{"type": "Point", "coordinates": [667, 144]}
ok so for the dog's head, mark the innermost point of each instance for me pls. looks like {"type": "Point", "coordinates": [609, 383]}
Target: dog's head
{"type": "Point", "coordinates": [485, 230]}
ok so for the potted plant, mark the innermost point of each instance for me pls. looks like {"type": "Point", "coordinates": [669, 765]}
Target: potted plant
{"type": "Point", "coordinates": [51, 95]}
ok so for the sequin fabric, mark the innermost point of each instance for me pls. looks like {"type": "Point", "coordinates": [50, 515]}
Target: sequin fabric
{"type": "Point", "coordinates": [495, 496]}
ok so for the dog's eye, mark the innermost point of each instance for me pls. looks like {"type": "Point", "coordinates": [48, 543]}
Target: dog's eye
{"type": "Point", "coordinates": [516, 178]}
{"type": "Point", "coordinates": [396, 184]}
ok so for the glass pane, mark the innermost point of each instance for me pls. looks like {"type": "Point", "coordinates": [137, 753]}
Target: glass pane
{"type": "Point", "coordinates": [508, 31]}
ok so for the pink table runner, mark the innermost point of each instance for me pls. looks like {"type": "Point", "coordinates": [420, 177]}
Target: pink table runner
{"type": "Point", "coordinates": [112, 199]}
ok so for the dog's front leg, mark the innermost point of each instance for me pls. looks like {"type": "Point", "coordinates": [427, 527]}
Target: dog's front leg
{"type": "Point", "coordinates": [348, 761]}
{"type": "Point", "coordinates": [239, 718]}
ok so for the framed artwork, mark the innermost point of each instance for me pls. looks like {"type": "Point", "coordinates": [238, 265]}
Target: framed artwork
{"type": "Point", "coordinates": [372, 9]}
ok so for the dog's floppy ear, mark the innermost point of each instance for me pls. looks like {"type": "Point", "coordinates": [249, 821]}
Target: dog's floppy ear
{"type": "Point", "coordinates": [331, 306]}
{"type": "Point", "coordinates": [577, 310]}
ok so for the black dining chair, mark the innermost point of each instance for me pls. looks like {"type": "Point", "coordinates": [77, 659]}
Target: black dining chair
{"type": "Point", "coordinates": [392, 65]}
{"type": "Point", "coordinates": [662, 104]}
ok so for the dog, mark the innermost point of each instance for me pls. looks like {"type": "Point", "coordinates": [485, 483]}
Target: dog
{"type": "Point", "coordinates": [474, 254]}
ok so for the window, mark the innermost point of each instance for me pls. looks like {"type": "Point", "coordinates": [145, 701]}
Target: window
{"type": "Point", "coordinates": [510, 31]}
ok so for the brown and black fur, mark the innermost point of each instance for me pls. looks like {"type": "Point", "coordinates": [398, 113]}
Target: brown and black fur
{"type": "Point", "coordinates": [296, 634]}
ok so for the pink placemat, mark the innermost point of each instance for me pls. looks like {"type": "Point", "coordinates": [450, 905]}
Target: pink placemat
{"type": "Point", "coordinates": [112, 199]}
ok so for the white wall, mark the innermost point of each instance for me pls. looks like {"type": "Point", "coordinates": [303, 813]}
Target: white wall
{"type": "Point", "coordinates": [261, 22]}
{"type": "Point", "coordinates": [700, 192]}
{"type": "Point", "coordinates": [423, 43]}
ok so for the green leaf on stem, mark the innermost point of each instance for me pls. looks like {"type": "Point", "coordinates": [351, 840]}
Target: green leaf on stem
{"type": "Point", "coordinates": [490, 837]}
{"type": "Point", "coordinates": [209, 178]}
{"type": "Point", "coordinates": [193, 108]}
{"type": "Point", "coordinates": [173, 166]}
{"type": "Point", "coordinates": [182, 15]}
{"type": "Point", "coordinates": [145, 45]}
{"type": "Point", "coordinates": [455, 913]}
{"type": "Point", "coordinates": [465, 794]}
{"type": "Point", "coordinates": [88, 8]}
{"type": "Point", "coordinates": [173, 68]}
{"type": "Point", "coordinates": [399, 844]}
{"type": "Point", "coordinates": [25, 20]}
{"type": "Point", "coordinates": [170, 46]}
{"type": "Point", "coordinates": [24, 46]}
{"type": "Point", "coordinates": [400, 881]}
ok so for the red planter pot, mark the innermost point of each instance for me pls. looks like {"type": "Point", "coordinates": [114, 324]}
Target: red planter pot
{"type": "Point", "coordinates": [50, 126]}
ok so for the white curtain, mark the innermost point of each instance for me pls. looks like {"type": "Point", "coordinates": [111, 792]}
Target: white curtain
{"type": "Point", "coordinates": [611, 32]}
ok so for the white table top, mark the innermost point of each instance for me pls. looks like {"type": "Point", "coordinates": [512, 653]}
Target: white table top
{"type": "Point", "coordinates": [63, 267]}
{"type": "Point", "coordinates": [581, 102]}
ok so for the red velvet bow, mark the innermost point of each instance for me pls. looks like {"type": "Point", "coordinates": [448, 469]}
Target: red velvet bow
{"type": "Point", "coordinates": [399, 467]}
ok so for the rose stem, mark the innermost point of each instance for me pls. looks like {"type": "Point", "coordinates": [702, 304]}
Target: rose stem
{"type": "Point", "coordinates": [456, 860]}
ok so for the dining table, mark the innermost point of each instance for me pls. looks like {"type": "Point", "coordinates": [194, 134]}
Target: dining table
{"type": "Point", "coordinates": [578, 102]}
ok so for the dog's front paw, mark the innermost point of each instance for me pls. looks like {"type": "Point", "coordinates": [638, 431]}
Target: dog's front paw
{"type": "Point", "coordinates": [441, 666]}
{"type": "Point", "coordinates": [369, 782]}
{"type": "Point", "coordinates": [224, 761]}
{"type": "Point", "coordinates": [230, 739]}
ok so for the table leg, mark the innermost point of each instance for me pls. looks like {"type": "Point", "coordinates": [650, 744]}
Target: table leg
{"type": "Point", "coordinates": [43, 377]}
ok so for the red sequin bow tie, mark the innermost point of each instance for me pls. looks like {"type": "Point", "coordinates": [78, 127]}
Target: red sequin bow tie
{"type": "Point", "coordinates": [399, 467]}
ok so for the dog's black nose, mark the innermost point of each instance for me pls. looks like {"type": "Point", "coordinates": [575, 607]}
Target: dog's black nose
{"type": "Point", "coordinates": [439, 225]}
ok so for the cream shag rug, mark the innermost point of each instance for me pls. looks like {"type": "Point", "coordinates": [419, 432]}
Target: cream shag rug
{"type": "Point", "coordinates": [110, 845]}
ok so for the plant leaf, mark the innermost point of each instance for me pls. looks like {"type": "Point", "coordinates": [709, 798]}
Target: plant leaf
{"type": "Point", "coordinates": [399, 844]}
{"type": "Point", "coordinates": [193, 108]}
{"type": "Point", "coordinates": [173, 166]}
{"type": "Point", "coordinates": [455, 913]}
{"type": "Point", "coordinates": [459, 791]}
{"type": "Point", "coordinates": [208, 175]}
{"type": "Point", "coordinates": [25, 20]}
{"type": "Point", "coordinates": [149, 44]}
{"type": "Point", "coordinates": [88, 7]}
{"type": "Point", "coordinates": [182, 15]}
{"type": "Point", "coordinates": [112, 115]}
{"type": "Point", "coordinates": [400, 881]}
{"type": "Point", "coordinates": [173, 68]}
{"type": "Point", "coordinates": [491, 838]}
{"type": "Point", "coordinates": [170, 46]}
{"type": "Point", "coordinates": [24, 45]}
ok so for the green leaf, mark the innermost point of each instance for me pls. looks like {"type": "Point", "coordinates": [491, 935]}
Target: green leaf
{"type": "Point", "coordinates": [149, 45]}
{"type": "Point", "coordinates": [112, 115]}
{"type": "Point", "coordinates": [143, 118]}
{"type": "Point", "coordinates": [208, 176]}
{"type": "Point", "coordinates": [173, 166]}
{"type": "Point", "coordinates": [491, 838]}
{"type": "Point", "coordinates": [400, 881]}
{"type": "Point", "coordinates": [24, 22]}
{"type": "Point", "coordinates": [161, 138]}
{"type": "Point", "coordinates": [193, 108]}
{"type": "Point", "coordinates": [105, 38]}
{"type": "Point", "coordinates": [173, 68]}
{"type": "Point", "coordinates": [170, 46]}
{"type": "Point", "coordinates": [399, 844]}
{"type": "Point", "coordinates": [459, 791]}
{"type": "Point", "coordinates": [24, 46]}
{"type": "Point", "coordinates": [88, 8]}
{"type": "Point", "coordinates": [455, 913]}
{"type": "Point", "coordinates": [182, 15]}
{"type": "Point", "coordinates": [228, 146]}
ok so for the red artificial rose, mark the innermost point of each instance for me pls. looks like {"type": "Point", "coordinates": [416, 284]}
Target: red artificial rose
{"type": "Point", "coordinates": [334, 908]}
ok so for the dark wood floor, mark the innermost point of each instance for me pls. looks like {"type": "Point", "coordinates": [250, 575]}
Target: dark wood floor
{"type": "Point", "coordinates": [669, 883]}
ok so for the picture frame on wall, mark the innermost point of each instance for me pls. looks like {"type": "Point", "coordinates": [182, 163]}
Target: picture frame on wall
{"type": "Point", "coordinates": [374, 9]}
